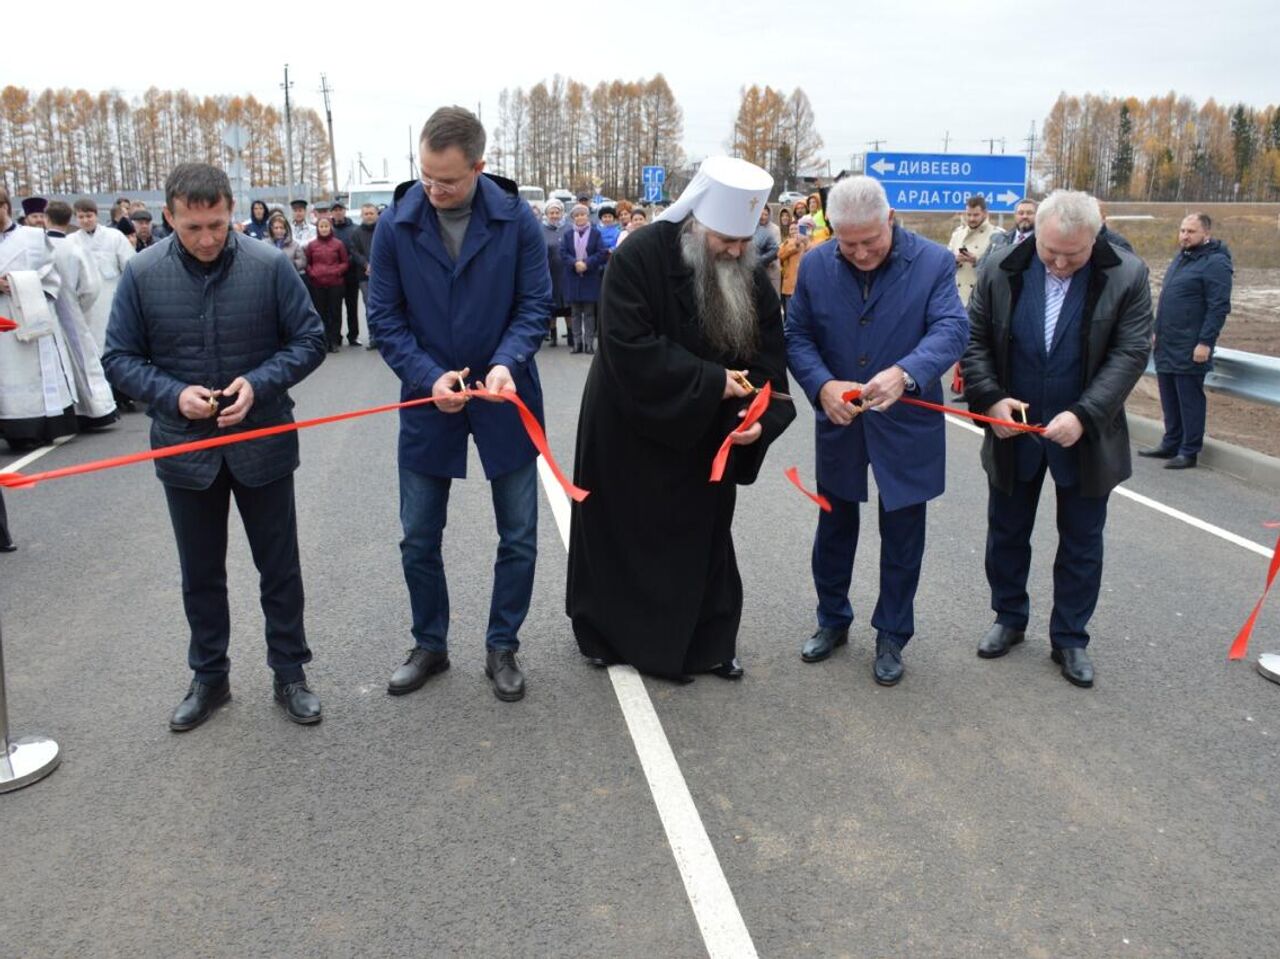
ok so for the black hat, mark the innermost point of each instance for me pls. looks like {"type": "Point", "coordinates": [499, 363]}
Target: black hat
{"type": "Point", "coordinates": [298, 204]}
{"type": "Point", "coordinates": [143, 215]}
{"type": "Point", "coordinates": [337, 205]}
{"type": "Point", "coordinates": [34, 204]}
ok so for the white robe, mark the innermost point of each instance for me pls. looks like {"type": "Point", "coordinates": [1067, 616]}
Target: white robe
{"type": "Point", "coordinates": [81, 287]}
{"type": "Point", "coordinates": [109, 251]}
{"type": "Point", "coordinates": [35, 382]}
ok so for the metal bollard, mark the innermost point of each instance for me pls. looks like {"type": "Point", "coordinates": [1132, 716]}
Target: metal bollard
{"type": "Point", "coordinates": [1269, 666]}
{"type": "Point", "coordinates": [26, 760]}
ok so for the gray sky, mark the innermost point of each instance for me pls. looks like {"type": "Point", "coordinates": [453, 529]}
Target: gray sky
{"type": "Point", "coordinates": [906, 73]}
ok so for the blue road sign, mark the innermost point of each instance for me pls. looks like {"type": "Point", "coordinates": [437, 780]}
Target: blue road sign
{"type": "Point", "coordinates": [941, 182]}
{"type": "Point", "coordinates": [651, 179]}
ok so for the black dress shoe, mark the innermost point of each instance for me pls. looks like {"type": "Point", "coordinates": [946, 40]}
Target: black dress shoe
{"type": "Point", "coordinates": [371, 345]}
{"type": "Point", "coordinates": [1158, 453]}
{"type": "Point", "coordinates": [1181, 463]}
{"type": "Point", "coordinates": [999, 640]}
{"type": "Point", "coordinates": [508, 682]}
{"type": "Point", "coordinates": [8, 546]}
{"type": "Point", "coordinates": [821, 644]}
{"type": "Point", "coordinates": [201, 700]}
{"type": "Point", "coordinates": [601, 662]}
{"type": "Point", "coordinates": [421, 665]}
{"type": "Point", "coordinates": [1077, 667]}
{"type": "Point", "coordinates": [353, 342]}
{"type": "Point", "coordinates": [888, 666]}
{"type": "Point", "coordinates": [300, 704]}
{"type": "Point", "coordinates": [730, 670]}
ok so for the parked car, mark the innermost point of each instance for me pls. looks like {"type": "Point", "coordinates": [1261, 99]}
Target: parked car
{"type": "Point", "coordinates": [564, 196]}
{"type": "Point", "coordinates": [533, 195]}
{"type": "Point", "coordinates": [789, 197]}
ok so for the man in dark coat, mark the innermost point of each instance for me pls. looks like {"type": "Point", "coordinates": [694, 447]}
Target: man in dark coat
{"type": "Point", "coordinates": [878, 306]}
{"type": "Point", "coordinates": [1059, 329]}
{"type": "Point", "coordinates": [652, 576]}
{"type": "Point", "coordinates": [1194, 302]}
{"type": "Point", "coordinates": [344, 229]}
{"type": "Point", "coordinates": [459, 291]}
{"type": "Point", "coordinates": [211, 329]}
{"type": "Point", "coordinates": [361, 249]}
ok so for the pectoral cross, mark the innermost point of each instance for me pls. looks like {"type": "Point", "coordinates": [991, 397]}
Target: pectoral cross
{"type": "Point", "coordinates": [755, 202]}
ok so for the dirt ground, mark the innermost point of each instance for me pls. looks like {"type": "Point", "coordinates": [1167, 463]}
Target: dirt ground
{"type": "Point", "coordinates": [1252, 232]}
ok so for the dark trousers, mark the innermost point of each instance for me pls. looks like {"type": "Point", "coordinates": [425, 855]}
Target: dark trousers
{"type": "Point", "coordinates": [901, 552]}
{"type": "Point", "coordinates": [1077, 568]}
{"type": "Point", "coordinates": [351, 296]}
{"type": "Point", "coordinates": [271, 525]}
{"type": "Point", "coordinates": [328, 302]}
{"type": "Point", "coordinates": [364, 295]}
{"type": "Point", "coordinates": [1183, 402]}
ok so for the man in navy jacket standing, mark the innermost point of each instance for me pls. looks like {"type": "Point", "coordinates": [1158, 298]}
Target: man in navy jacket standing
{"type": "Point", "coordinates": [1194, 302]}
{"type": "Point", "coordinates": [211, 329]}
{"type": "Point", "coordinates": [876, 306]}
{"type": "Point", "coordinates": [459, 291]}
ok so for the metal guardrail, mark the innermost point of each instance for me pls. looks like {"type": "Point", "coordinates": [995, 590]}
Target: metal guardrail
{"type": "Point", "coordinates": [1247, 376]}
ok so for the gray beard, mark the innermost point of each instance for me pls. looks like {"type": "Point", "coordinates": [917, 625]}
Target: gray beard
{"type": "Point", "coordinates": [724, 291]}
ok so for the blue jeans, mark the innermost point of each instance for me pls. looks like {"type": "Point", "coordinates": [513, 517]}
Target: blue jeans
{"type": "Point", "coordinates": [424, 503]}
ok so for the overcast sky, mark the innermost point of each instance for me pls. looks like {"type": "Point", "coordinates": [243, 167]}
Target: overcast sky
{"type": "Point", "coordinates": [904, 72]}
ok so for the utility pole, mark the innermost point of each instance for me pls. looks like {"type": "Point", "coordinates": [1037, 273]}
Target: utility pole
{"type": "Point", "coordinates": [288, 133]}
{"type": "Point", "coordinates": [875, 145]}
{"type": "Point", "coordinates": [328, 115]}
{"type": "Point", "coordinates": [991, 144]}
{"type": "Point", "coordinates": [946, 141]}
{"type": "Point", "coordinates": [1031, 155]}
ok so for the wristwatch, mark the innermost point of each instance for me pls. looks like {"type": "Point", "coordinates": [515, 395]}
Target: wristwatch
{"type": "Point", "coordinates": [908, 384]}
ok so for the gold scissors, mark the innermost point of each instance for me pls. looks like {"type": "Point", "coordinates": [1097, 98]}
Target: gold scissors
{"type": "Point", "coordinates": [740, 377]}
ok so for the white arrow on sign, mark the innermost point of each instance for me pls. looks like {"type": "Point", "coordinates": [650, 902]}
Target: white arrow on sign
{"type": "Point", "coordinates": [1008, 196]}
{"type": "Point", "coordinates": [882, 166]}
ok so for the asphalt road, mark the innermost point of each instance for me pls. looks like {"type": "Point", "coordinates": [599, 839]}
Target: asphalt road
{"type": "Point", "coordinates": [979, 809]}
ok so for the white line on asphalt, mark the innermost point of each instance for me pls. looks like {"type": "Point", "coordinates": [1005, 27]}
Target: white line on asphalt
{"type": "Point", "coordinates": [20, 464]}
{"type": "Point", "coordinates": [723, 930]}
{"type": "Point", "coordinates": [1159, 507]}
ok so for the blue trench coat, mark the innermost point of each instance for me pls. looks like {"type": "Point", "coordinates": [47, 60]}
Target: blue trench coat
{"type": "Point", "coordinates": [913, 318]}
{"type": "Point", "coordinates": [430, 315]}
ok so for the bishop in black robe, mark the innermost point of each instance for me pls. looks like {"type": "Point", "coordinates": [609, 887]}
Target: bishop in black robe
{"type": "Point", "coordinates": [653, 579]}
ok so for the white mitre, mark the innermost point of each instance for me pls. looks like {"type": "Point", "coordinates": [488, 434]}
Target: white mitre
{"type": "Point", "coordinates": [725, 195]}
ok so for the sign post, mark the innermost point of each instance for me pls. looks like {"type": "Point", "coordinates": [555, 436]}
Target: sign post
{"type": "Point", "coordinates": [652, 179]}
{"type": "Point", "coordinates": [942, 182]}
{"type": "Point", "coordinates": [26, 760]}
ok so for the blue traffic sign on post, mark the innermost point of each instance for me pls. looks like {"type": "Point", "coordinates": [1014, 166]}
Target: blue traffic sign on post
{"type": "Point", "coordinates": [942, 182]}
{"type": "Point", "coordinates": [651, 180]}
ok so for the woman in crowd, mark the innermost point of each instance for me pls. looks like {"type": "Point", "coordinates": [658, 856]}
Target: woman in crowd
{"type": "Point", "coordinates": [789, 254]}
{"type": "Point", "coordinates": [282, 236]}
{"type": "Point", "coordinates": [327, 262]}
{"type": "Point", "coordinates": [553, 229]}
{"type": "Point", "coordinates": [636, 219]}
{"type": "Point", "coordinates": [585, 256]}
{"type": "Point", "coordinates": [785, 219]}
{"type": "Point", "coordinates": [256, 225]}
{"type": "Point", "coordinates": [821, 230]}
{"type": "Point", "coordinates": [766, 240]}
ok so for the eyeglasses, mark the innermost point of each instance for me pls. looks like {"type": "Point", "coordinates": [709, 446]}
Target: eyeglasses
{"type": "Point", "coordinates": [443, 187]}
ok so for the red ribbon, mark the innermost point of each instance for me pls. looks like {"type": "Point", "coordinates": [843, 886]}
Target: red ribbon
{"type": "Point", "coordinates": [530, 422]}
{"type": "Point", "coordinates": [1241, 644]}
{"type": "Point", "coordinates": [852, 395]}
{"type": "Point", "coordinates": [754, 412]}
{"type": "Point", "coordinates": [793, 474]}
{"type": "Point", "coordinates": [7, 324]}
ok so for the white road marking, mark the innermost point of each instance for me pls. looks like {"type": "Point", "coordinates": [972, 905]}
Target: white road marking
{"type": "Point", "coordinates": [19, 464]}
{"type": "Point", "coordinates": [1192, 521]}
{"type": "Point", "coordinates": [724, 932]}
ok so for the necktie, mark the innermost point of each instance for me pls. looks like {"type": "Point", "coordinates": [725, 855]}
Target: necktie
{"type": "Point", "coordinates": [1055, 291]}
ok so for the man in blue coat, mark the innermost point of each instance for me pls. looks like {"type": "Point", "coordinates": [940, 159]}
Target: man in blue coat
{"type": "Point", "coordinates": [459, 288]}
{"type": "Point", "coordinates": [877, 307]}
{"type": "Point", "coordinates": [1194, 302]}
{"type": "Point", "coordinates": [211, 328]}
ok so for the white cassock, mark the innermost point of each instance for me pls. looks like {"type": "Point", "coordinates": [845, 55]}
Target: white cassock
{"type": "Point", "coordinates": [80, 289]}
{"type": "Point", "coordinates": [37, 390]}
{"type": "Point", "coordinates": [109, 251]}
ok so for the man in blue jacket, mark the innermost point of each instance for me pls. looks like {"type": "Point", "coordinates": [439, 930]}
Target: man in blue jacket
{"type": "Point", "coordinates": [211, 328]}
{"type": "Point", "coordinates": [876, 307]}
{"type": "Point", "coordinates": [459, 288]}
{"type": "Point", "coordinates": [1194, 302]}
